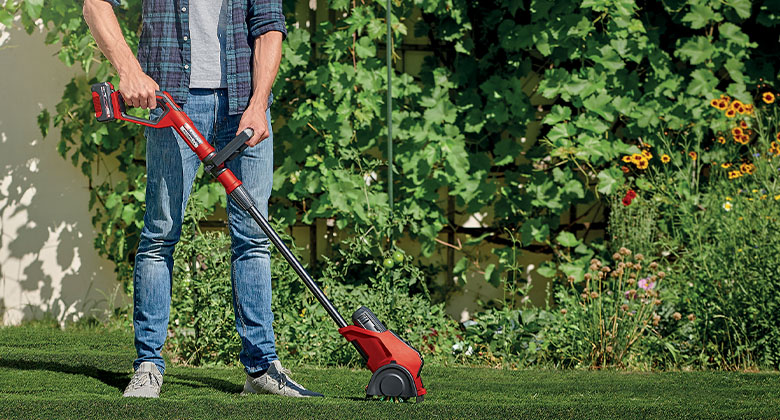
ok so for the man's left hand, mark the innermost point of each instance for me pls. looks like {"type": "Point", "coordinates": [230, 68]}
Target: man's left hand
{"type": "Point", "coordinates": [254, 118]}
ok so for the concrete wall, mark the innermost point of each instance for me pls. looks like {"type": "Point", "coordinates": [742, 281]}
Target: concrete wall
{"type": "Point", "coordinates": [48, 265]}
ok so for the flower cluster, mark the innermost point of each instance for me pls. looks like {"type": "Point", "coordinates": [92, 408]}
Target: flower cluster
{"type": "Point", "coordinates": [732, 108]}
{"type": "Point", "coordinates": [630, 196]}
{"type": "Point", "coordinates": [745, 168]}
{"type": "Point", "coordinates": [774, 149]}
{"type": "Point", "coordinates": [640, 160]}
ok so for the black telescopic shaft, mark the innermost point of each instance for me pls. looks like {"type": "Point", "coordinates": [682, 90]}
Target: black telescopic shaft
{"type": "Point", "coordinates": [243, 199]}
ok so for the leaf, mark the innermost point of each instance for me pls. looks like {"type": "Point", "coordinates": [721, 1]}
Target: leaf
{"type": "Point", "coordinates": [112, 200]}
{"type": "Point", "coordinates": [734, 67]}
{"type": "Point", "coordinates": [600, 104]}
{"type": "Point", "coordinates": [33, 8]}
{"type": "Point", "coordinates": [547, 271]}
{"type": "Point", "coordinates": [742, 7]}
{"type": "Point", "coordinates": [610, 180]}
{"type": "Point", "coordinates": [128, 213]}
{"type": "Point", "coordinates": [572, 270]}
{"type": "Point", "coordinates": [557, 114]}
{"type": "Point", "coordinates": [700, 15]}
{"type": "Point", "coordinates": [567, 239]}
{"type": "Point", "coordinates": [703, 83]}
{"type": "Point", "coordinates": [44, 120]}
{"type": "Point", "coordinates": [491, 275]}
{"type": "Point", "coordinates": [505, 151]}
{"type": "Point", "coordinates": [697, 49]}
{"type": "Point", "coordinates": [365, 48]}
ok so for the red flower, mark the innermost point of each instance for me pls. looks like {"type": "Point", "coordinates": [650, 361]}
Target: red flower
{"type": "Point", "coordinates": [626, 201]}
{"type": "Point", "coordinates": [631, 194]}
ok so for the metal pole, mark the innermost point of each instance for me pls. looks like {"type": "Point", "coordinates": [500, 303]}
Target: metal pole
{"type": "Point", "coordinates": [296, 265]}
{"type": "Point", "coordinates": [389, 108]}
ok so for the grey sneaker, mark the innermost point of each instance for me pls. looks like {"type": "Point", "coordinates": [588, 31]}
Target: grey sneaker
{"type": "Point", "coordinates": [276, 381]}
{"type": "Point", "coordinates": [146, 382]}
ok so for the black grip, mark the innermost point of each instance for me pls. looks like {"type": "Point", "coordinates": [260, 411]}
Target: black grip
{"type": "Point", "coordinates": [162, 101]}
{"type": "Point", "coordinates": [233, 149]}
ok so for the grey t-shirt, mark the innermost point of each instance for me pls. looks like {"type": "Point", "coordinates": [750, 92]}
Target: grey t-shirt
{"type": "Point", "coordinates": [208, 23]}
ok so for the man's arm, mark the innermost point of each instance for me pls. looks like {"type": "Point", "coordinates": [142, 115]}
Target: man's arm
{"type": "Point", "coordinates": [266, 56]}
{"type": "Point", "coordinates": [137, 88]}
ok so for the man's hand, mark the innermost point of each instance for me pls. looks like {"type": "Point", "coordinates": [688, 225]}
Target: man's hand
{"type": "Point", "coordinates": [254, 118]}
{"type": "Point", "coordinates": [138, 90]}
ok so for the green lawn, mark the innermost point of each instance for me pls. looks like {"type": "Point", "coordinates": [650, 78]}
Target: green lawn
{"type": "Point", "coordinates": [79, 374]}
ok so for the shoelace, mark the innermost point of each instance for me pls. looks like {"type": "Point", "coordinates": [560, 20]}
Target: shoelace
{"type": "Point", "coordinates": [145, 378]}
{"type": "Point", "coordinates": [283, 376]}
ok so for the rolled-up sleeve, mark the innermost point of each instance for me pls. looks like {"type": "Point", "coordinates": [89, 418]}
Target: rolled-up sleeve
{"type": "Point", "coordinates": [114, 2]}
{"type": "Point", "coordinates": [265, 16]}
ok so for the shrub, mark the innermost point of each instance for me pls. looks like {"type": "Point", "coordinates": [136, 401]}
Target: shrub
{"type": "Point", "coordinates": [202, 327]}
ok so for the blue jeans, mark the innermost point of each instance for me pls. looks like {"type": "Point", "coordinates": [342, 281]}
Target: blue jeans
{"type": "Point", "coordinates": [171, 167]}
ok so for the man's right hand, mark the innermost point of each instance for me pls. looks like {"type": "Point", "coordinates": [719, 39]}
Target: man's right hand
{"type": "Point", "coordinates": [138, 90]}
{"type": "Point", "coordinates": [136, 87]}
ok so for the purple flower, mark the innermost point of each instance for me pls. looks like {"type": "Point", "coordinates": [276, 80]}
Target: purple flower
{"type": "Point", "coordinates": [646, 284]}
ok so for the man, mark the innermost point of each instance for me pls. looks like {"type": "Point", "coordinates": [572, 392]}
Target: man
{"type": "Point", "coordinates": [218, 59]}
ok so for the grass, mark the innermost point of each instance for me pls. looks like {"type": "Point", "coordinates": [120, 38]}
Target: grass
{"type": "Point", "coordinates": [79, 374]}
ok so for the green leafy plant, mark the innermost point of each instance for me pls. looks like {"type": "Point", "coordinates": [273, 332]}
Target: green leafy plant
{"type": "Point", "coordinates": [605, 315]}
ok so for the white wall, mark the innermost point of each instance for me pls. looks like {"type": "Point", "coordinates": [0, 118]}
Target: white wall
{"type": "Point", "coordinates": [48, 264]}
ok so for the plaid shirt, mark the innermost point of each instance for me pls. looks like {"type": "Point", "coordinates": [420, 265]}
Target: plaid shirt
{"type": "Point", "coordinates": [164, 48]}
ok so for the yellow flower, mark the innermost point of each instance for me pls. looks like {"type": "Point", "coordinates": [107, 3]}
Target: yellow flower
{"type": "Point", "coordinates": [722, 140]}
{"type": "Point", "coordinates": [777, 197]}
{"type": "Point", "coordinates": [727, 206]}
{"type": "Point", "coordinates": [747, 168]}
{"type": "Point", "coordinates": [714, 103]}
{"type": "Point", "coordinates": [642, 164]}
{"type": "Point", "coordinates": [693, 155]}
{"type": "Point", "coordinates": [665, 158]}
{"type": "Point", "coordinates": [731, 113]}
{"type": "Point", "coordinates": [735, 174]}
{"type": "Point", "coordinates": [725, 165]}
{"type": "Point", "coordinates": [636, 158]}
{"type": "Point", "coordinates": [768, 97]}
{"type": "Point", "coordinates": [647, 154]}
{"type": "Point", "coordinates": [736, 131]}
{"type": "Point", "coordinates": [723, 104]}
{"type": "Point", "coordinates": [627, 159]}
{"type": "Point", "coordinates": [736, 104]}
{"type": "Point", "coordinates": [728, 198]}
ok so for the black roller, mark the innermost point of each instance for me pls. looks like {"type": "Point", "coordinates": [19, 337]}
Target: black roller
{"type": "Point", "coordinates": [392, 380]}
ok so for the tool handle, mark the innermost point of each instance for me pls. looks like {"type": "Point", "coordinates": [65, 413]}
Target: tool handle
{"type": "Point", "coordinates": [233, 149]}
{"type": "Point", "coordinates": [110, 105]}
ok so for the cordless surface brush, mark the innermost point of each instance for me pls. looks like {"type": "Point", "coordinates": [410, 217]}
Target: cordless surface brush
{"type": "Point", "coordinates": [395, 364]}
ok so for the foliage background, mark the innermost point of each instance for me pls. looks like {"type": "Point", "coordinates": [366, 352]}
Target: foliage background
{"type": "Point", "coordinates": [520, 111]}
